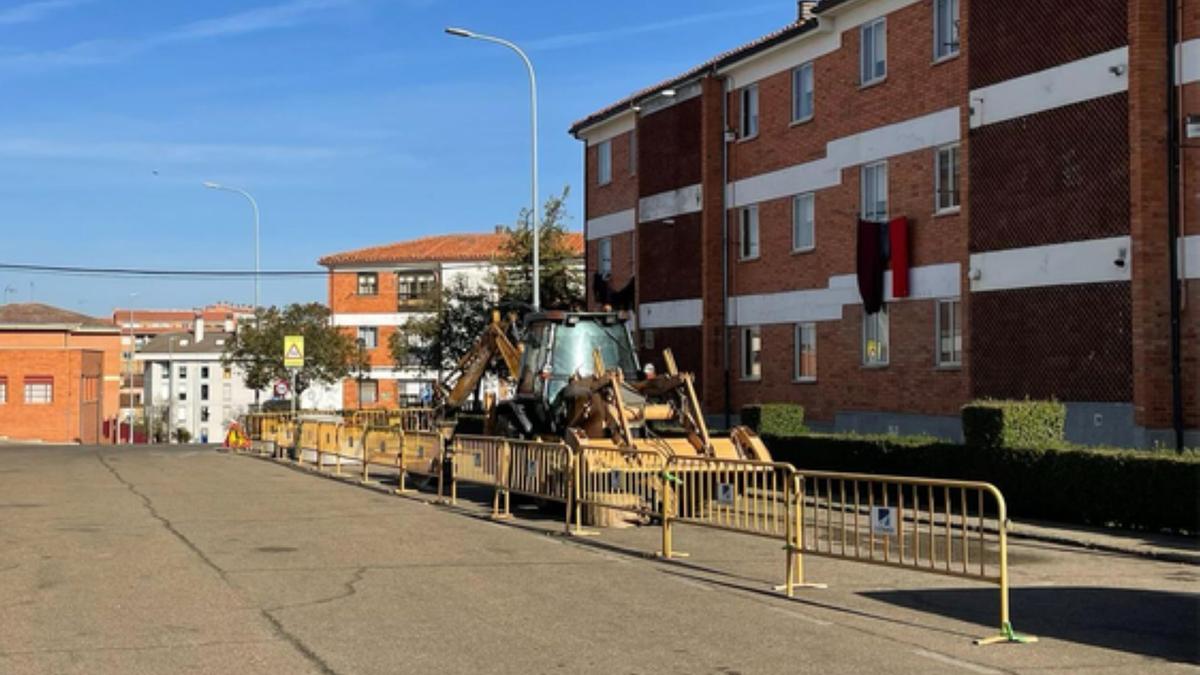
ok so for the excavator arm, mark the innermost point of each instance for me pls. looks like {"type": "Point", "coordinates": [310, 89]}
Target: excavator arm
{"type": "Point", "coordinates": [494, 343]}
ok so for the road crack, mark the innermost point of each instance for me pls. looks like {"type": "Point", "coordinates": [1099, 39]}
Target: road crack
{"type": "Point", "coordinates": [276, 625]}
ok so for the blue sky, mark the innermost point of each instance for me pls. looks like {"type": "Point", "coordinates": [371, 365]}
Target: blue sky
{"type": "Point", "coordinates": [353, 122]}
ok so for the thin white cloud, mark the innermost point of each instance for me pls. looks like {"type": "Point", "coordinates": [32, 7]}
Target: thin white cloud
{"type": "Point", "coordinates": [163, 153]}
{"type": "Point", "coordinates": [569, 40]}
{"type": "Point", "coordinates": [99, 51]}
{"type": "Point", "coordinates": [35, 11]}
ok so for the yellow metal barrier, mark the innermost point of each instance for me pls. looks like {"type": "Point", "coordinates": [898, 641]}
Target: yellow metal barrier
{"type": "Point", "coordinates": [482, 460]}
{"type": "Point", "coordinates": [381, 444]}
{"type": "Point", "coordinates": [422, 454]}
{"type": "Point", "coordinates": [413, 419]}
{"type": "Point", "coordinates": [927, 525]}
{"type": "Point", "coordinates": [609, 479]}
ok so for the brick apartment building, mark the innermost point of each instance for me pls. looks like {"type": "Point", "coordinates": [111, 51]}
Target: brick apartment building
{"type": "Point", "coordinates": [59, 374]}
{"type": "Point", "coordinates": [989, 179]}
{"type": "Point", "coordinates": [375, 291]}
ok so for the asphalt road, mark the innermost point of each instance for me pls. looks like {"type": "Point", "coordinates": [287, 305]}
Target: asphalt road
{"type": "Point", "coordinates": [168, 559]}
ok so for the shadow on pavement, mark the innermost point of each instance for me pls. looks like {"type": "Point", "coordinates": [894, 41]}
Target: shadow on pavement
{"type": "Point", "coordinates": [1158, 624]}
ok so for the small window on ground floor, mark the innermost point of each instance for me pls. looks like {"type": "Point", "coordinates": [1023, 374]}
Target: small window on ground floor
{"type": "Point", "coordinates": [949, 333]}
{"type": "Point", "coordinates": [368, 391]}
{"type": "Point", "coordinates": [3, 390]}
{"type": "Point", "coordinates": [39, 390]}
{"type": "Point", "coordinates": [875, 338]}
{"type": "Point", "coordinates": [751, 353]}
{"type": "Point", "coordinates": [806, 352]}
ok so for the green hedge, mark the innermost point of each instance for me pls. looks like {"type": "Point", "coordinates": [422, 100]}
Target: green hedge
{"type": "Point", "coordinates": [1014, 424]}
{"type": "Point", "coordinates": [1139, 489]}
{"type": "Point", "coordinates": [779, 419]}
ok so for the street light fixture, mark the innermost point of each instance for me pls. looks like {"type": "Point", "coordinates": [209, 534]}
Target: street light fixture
{"type": "Point", "coordinates": [254, 205]}
{"type": "Point", "coordinates": [533, 211]}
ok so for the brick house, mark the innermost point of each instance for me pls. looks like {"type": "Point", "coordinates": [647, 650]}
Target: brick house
{"type": "Point", "coordinates": [374, 291]}
{"type": "Point", "coordinates": [59, 374]}
{"type": "Point", "coordinates": [999, 184]}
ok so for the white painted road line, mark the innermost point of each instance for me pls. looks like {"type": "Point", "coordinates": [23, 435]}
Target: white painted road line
{"type": "Point", "coordinates": [798, 615]}
{"type": "Point", "coordinates": [957, 663]}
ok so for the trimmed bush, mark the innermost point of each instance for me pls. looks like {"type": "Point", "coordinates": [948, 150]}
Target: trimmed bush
{"type": "Point", "coordinates": [1137, 489]}
{"type": "Point", "coordinates": [1014, 424]}
{"type": "Point", "coordinates": [778, 419]}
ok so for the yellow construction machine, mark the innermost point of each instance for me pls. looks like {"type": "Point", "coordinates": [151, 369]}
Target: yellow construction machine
{"type": "Point", "coordinates": [575, 376]}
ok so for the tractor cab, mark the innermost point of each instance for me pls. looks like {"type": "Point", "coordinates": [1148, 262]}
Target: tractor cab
{"type": "Point", "coordinates": [562, 345]}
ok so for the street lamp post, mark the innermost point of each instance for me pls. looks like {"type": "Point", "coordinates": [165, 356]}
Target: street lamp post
{"type": "Point", "coordinates": [254, 205]}
{"type": "Point", "coordinates": [533, 210]}
{"type": "Point", "coordinates": [129, 368]}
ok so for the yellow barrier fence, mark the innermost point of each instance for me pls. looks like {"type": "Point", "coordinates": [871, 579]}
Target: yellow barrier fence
{"type": "Point", "coordinates": [422, 455]}
{"type": "Point", "coordinates": [381, 444]}
{"type": "Point", "coordinates": [610, 480]}
{"type": "Point", "coordinates": [482, 460]}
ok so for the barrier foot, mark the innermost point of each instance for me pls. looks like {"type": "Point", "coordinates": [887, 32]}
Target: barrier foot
{"type": "Point", "coordinates": [1007, 635]}
{"type": "Point", "coordinates": [580, 532]}
{"type": "Point", "coordinates": [501, 516]}
{"type": "Point", "coordinates": [673, 554]}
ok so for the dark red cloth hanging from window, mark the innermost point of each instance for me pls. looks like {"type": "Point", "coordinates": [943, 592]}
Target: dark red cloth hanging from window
{"type": "Point", "coordinates": [898, 236]}
{"type": "Point", "coordinates": [870, 265]}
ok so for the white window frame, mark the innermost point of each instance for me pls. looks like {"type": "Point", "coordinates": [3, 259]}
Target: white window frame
{"type": "Point", "coordinates": [871, 189]}
{"type": "Point", "coordinates": [374, 388]}
{"type": "Point", "coordinates": [604, 257]}
{"type": "Point", "coordinates": [604, 162]}
{"type": "Point", "coordinates": [3, 390]}
{"type": "Point", "coordinates": [952, 152]}
{"type": "Point", "coordinates": [803, 329]}
{"type": "Point", "coordinates": [946, 14]}
{"type": "Point", "coordinates": [40, 391]}
{"type": "Point", "coordinates": [956, 327]}
{"type": "Point", "coordinates": [373, 331]}
{"type": "Point", "coordinates": [750, 333]}
{"type": "Point", "coordinates": [801, 75]}
{"type": "Point", "coordinates": [373, 286]}
{"type": "Point", "coordinates": [876, 326]}
{"type": "Point", "coordinates": [876, 32]}
{"type": "Point", "coordinates": [749, 243]}
{"type": "Point", "coordinates": [748, 125]}
{"type": "Point", "coordinates": [804, 212]}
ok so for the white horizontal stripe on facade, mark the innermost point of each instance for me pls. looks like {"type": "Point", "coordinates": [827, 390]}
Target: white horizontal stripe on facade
{"type": "Point", "coordinates": [670, 203]}
{"type": "Point", "coordinates": [825, 304]}
{"type": "Point", "coordinates": [610, 128]}
{"type": "Point", "coordinates": [393, 319]}
{"type": "Point", "coordinates": [1068, 83]}
{"type": "Point", "coordinates": [1189, 255]}
{"type": "Point", "coordinates": [814, 44]}
{"type": "Point", "coordinates": [1074, 82]}
{"type": "Point", "coordinates": [919, 133]}
{"type": "Point", "coordinates": [608, 225]}
{"type": "Point", "coordinates": [1077, 262]}
{"type": "Point", "coordinates": [671, 314]}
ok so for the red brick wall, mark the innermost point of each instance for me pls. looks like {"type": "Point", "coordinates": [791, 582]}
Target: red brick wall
{"type": "Point", "coordinates": [909, 383]}
{"type": "Point", "coordinates": [669, 259]}
{"type": "Point", "coordinates": [619, 194]}
{"type": "Point", "coordinates": [59, 421]}
{"type": "Point", "coordinates": [913, 87]}
{"type": "Point", "coordinates": [684, 344]}
{"type": "Point", "coordinates": [669, 148]}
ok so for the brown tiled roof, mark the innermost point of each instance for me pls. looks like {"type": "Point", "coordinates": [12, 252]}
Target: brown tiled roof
{"type": "Point", "coordinates": [35, 314]}
{"type": "Point", "coordinates": [438, 248]}
{"type": "Point", "coordinates": [719, 61]}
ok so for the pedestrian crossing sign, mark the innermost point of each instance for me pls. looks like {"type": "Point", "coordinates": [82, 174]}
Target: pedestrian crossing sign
{"type": "Point", "coordinates": [293, 351]}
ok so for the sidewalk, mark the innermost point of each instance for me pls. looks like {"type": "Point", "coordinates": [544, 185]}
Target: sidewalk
{"type": "Point", "coordinates": [1165, 547]}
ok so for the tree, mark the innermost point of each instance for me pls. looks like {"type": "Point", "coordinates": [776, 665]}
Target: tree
{"type": "Point", "coordinates": [562, 280]}
{"type": "Point", "coordinates": [458, 314]}
{"type": "Point", "coordinates": [329, 354]}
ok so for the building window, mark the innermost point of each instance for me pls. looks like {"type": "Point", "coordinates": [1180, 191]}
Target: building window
{"type": "Point", "coordinates": [204, 372]}
{"type": "Point", "coordinates": [806, 352]}
{"type": "Point", "coordinates": [633, 153]}
{"type": "Point", "coordinates": [164, 372]}
{"type": "Point", "coordinates": [368, 283]}
{"type": "Point", "coordinates": [183, 372]}
{"type": "Point", "coordinates": [227, 373]}
{"type": "Point", "coordinates": [604, 162]}
{"type": "Point", "coordinates": [39, 390]}
{"type": "Point", "coordinates": [873, 49]}
{"type": "Point", "coordinates": [203, 413]}
{"type": "Point", "coordinates": [749, 233]}
{"type": "Point", "coordinates": [945, 28]}
{"type": "Point", "coordinates": [604, 255]}
{"type": "Point", "coordinates": [751, 353]}
{"type": "Point", "coordinates": [368, 336]}
{"type": "Point", "coordinates": [414, 288]}
{"type": "Point", "coordinates": [875, 338]}
{"type": "Point", "coordinates": [368, 391]}
{"type": "Point", "coordinates": [803, 227]}
{"type": "Point", "coordinates": [3, 390]}
{"type": "Point", "coordinates": [749, 123]}
{"type": "Point", "coordinates": [874, 206]}
{"type": "Point", "coordinates": [945, 176]}
{"type": "Point", "coordinates": [802, 93]}
{"type": "Point", "coordinates": [183, 396]}
{"type": "Point", "coordinates": [949, 333]}
{"type": "Point", "coordinates": [204, 392]}
{"type": "Point", "coordinates": [647, 339]}
{"type": "Point", "coordinates": [227, 391]}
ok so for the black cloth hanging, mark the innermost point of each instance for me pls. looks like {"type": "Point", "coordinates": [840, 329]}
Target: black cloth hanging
{"type": "Point", "coordinates": [872, 259]}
